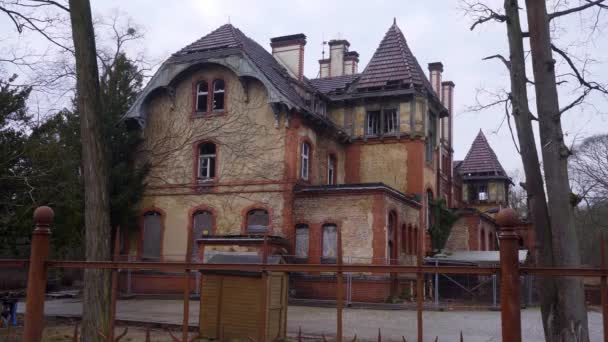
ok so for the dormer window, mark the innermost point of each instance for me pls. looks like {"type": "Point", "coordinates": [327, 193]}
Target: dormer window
{"type": "Point", "coordinates": [218, 95]}
{"type": "Point", "coordinates": [202, 97]}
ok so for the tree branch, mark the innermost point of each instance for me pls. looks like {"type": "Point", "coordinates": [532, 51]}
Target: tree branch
{"type": "Point", "coordinates": [578, 8]}
{"type": "Point", "coordinates": [506, 62]}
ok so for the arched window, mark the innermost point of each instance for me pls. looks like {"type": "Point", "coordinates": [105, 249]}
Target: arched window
{"type": "Point", "coordinates": [151, 235]}
{"type": "Point", "coordinates": [202, 97]}
{"type": "Point", "coordinates": [302, 238]}
{"type": "Point", "coordinates": [218, 95]}
{"type": "Point", "coordinates": [257, 221]}
{"type": "Point", "coordinates": [330, 243]}
{"type": "Point", "coordinates": [206, 161]}
{"type": "Point", "coordinates": [202, 225]}
{"type": "Point", "coordinates": [331, 169]}
{"type": "Point", "coordinates": [305, 172]}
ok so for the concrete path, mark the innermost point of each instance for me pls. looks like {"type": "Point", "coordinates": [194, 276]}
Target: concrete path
{"type": "Point", "coordinates": [476, 326]}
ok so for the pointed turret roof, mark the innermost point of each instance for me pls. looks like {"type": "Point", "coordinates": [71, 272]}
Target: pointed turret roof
{"type": "Point", "coordinates": [481, 160]}
{"type": "Point", "coordinates": [393, 64]}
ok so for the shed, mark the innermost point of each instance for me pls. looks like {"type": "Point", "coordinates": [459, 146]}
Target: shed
{"type": "Point", "coordinates": [232, 302]}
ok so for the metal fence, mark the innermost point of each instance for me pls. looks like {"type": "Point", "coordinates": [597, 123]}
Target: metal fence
{"type": "Point", "coordinates": [345, 272]}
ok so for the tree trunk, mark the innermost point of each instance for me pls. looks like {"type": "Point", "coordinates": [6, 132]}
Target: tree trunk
{"type": "Point", "coordinates": [567, 316]}
{"type": "Point", "coordinates": [529, 156]}
{"type": "Point", "coordinates": [95, 174]}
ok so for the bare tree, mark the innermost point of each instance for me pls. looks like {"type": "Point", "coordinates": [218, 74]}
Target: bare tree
{"type": "Point", "coordinates": [95, 173]}
{"type": "Point", "coordinates": [589, 169]}
{"type": "Point", "coordinates": [562, 302]}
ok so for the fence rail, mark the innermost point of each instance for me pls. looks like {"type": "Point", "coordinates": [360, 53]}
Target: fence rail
{"type": "Point", "coordinates": [509, 271]}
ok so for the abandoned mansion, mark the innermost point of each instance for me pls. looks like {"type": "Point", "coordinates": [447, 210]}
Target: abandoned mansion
{"type": "Point", "coordinates": [243, 147]}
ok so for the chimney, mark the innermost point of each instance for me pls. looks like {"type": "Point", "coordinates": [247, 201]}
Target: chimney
{"type": "Point", "coordinates": [289, 51]}
{"type": "Point", "coordinates": [324, 68]}
{"type": "Point", "coordinates": [337, 50]}
{"type": "Point", "coordinates": [351, 62]}
{"type": "Point", "coordinates": [435, 71]}
{"type": "Point", "coordinates": [447, 98]}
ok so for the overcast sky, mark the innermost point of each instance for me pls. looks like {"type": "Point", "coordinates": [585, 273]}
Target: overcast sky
{"type": "Point", "coordinates": [436, 30]}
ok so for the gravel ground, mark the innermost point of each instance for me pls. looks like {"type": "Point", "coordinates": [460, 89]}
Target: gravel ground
{"type": "Point", "coordinates": [476, 326]}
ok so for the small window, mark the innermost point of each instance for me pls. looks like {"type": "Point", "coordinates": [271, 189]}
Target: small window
{"type": "Point", "coordinates": [372, 125]}
{"type": "Point", "coordinates": [331, 169]}
{"type": "Point", "coordinates": [202, 96]}
{"type": "Point", "coordinates": [330, 243]}
{"type": "Point", "coordinates": [218, 96]}
{"type": "Point", "coordinates": [305, 161]}
{"type": "Point", "coordinates": [482, 192]}
{"type": "Point", "coordinates": [206, 161]}
{"type": "Point", "coordinates": [302, 234]}
{"type": "Point", "coordinates": [431, 137]}
{"type": "Point", "coordinates": [391, 121]}
{"type": "Point", "coordinates": [202, 225]}
{"type": "Point", "coordinates": [152, 235]}
{"type": "Point", "coordinates": [257, 221]}
{"type": "Point", "coordinates": [429, 211]}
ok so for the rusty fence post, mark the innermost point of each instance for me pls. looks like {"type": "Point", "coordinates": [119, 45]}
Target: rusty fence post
{"type": "Point", "coordinates": [510, 302]}
{"type": "Point", "coordinates": [36, 280]}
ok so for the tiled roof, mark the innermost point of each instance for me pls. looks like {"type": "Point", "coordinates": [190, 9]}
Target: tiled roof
{"type": "Point", "coordinates": [393, 64]}
{"type": "Point", "coordinates": [331, 84]}
{"type": "Point", "coordinates": [481, 159]}
{"type": "Point", "coordinates": [228, 36]}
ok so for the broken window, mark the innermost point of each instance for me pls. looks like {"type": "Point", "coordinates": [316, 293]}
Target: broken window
{"type": "Point", "coordinates": [206, 161]}
{"type": "Point", "coordinates": [330, 243]}
{"type": "Point", "coordinates": [482, 192]}
{"type": "Point", "coordinates": [391, 121]}
{"type": "Point", "coordinates": [202, 225]}
{"type": "Point", "coordinates": [257, 221]}
{"type": "Point", "coordinates": [302, 235]}
{"type": "Point", "coordinates": [152, 235]}
{"type": "Point", "coordinates": [331, 169]}
{"type": "Point", "coordinates": [218, 95]}
{"type": "Point", "coordinates": [372, 124]}
{"type": "Point", "coordinates": [202, 95]}
{"type": "Point", "coordinates": [305, 161]}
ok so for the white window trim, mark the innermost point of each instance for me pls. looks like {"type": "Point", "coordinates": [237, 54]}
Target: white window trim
{"type": "Point", "coordinates": [199, 93]}
{"type": "Point", "coordinates": [331, 170]}
{"type": "Point", "coordinates": [201, 158]}
{"type": "Point", "coordinates": [305, 167]}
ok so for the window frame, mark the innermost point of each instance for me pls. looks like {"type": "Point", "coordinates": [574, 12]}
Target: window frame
{"type": "Point", "coordinates": [197, 93]}
{"type": "Point", "coordinates": [223, 92]}
{"type": "Point", "coordinates": [431, 135]}
{"type": "Point", "coordinates": [305, 169]}
{"type": "Point", "coordinates": [395, 121]}
{"type": "Point", "coordinates": [302, 226]}
{"type": "Point", "coordinates": [377, 127]}
{"type": "Point", "coordinates": [332, 166]}
{"type": "Point", "coordinates": [328, 259]}
{"type": "Point", "coordinates": [193, 212]}
{"type": "Point", "coordinates": [140, 247]}
{"type": "Point", "coordinates": [210, 97]}
{"type": "Point", "coordinates": [199, 156]}
{"type": "Point", "coordinates": [246, 221]}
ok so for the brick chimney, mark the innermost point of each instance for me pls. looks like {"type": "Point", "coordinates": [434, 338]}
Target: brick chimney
{"type": "Point", "coordinates": [435, 71]}
{"type": "Point", "coordinates": [447, 98]}
{"type": "Point", "coordinates": [351, 62]}
{"type": "Point", "coordinates": [289, 51]}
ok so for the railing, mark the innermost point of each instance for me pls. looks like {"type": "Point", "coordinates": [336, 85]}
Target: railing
{"type": "Point", "coordinates": [509, 271]}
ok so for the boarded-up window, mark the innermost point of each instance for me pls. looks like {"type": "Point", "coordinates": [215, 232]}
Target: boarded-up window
{"type": "Point", "coordinates": [257, 221]}
{"type": "Point", "coordinates": [330, 242]}
{"type": "Point", "coordinates": [302, 234]}
{"type": "Point", "coordinates": [202, 225]}
{"type": "Point", "coordinates": [152, 235]}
